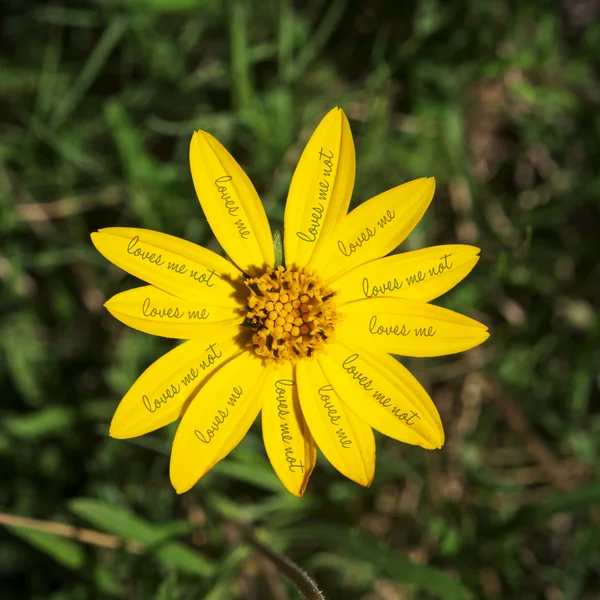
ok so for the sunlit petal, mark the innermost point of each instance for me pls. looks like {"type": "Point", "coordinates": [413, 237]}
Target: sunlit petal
{"type": "Point", "coordinates": [375, 228]}
{"type": "Point", "coordinates": [217, 419]}
{"type": "Point", "coordinates": [381, 392]}
{"type": "Point", "coordinates": [346, 441]}
{"type": "Point", "coordinates": [419, 275]}
{"type": "Point", "coordinates": [289, 444]}
{"type": "Point", "coordinates": [231, 204]}
{"type": "Point", "coordinates": [170, 263]}
{"type": "Point", "coordinates": [408, 327]}
{"type": "Point", "coordinates": [320, 190]}
{"type": "Point", "coordinates": [160, 394]}
{"type": "Point", "coordinates": [153, 311]}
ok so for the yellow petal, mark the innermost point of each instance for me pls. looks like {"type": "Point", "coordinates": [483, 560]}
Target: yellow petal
{"type": "Point", "coordinates": [153, 311]}
{"type": "Point", "coordinates": [381, 392]}
{"type": "Point", "coordinates": [170, 263]}
{"type": "Point", "coordinates": [217, 419]}
{"type": "Point", "coordinates": [419, 275]}
{"type": "Point", "coordinates": [375, 228]}
{"type": "Point", "coordinates": [321, 188]}
{"type": "Point", "coordinates": [160, 394]}
{"type": "Point", "coordinates": [231, 205]}
{"type": "Point", "coordinates": [408, 327]}
{"type": "Point", "coordinates": [289, 444]}
{"type": "Point", "coordinates": [346, 441]}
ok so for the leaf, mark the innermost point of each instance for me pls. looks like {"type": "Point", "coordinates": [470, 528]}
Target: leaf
{"type": "Point", "coordinates": [47, 421]}
{"type": "Point", "coordinates": [227, 573]}
{"type": "Point", "coordinates": [359, 546]}
{"type": "Point", "coordinates": [121, 522]}
{"type": "Point", "coordinates": [91, 70]}
{"type": "Point", "coordinates": [169, 6]}
{"type": "Point", "coordinates": [67, 553]}
{"type": "Point", "coordinates": [138, 164]}
{"type": "Point", "coordinates": [531, 516]}
{"type": "Point", "coordinates": [168, 589]}
{"type": "Point", "coordinates": [252, 475]}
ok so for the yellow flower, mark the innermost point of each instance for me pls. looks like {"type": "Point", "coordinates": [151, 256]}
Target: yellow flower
{"type": "Point", "coordinates": [308, 344]}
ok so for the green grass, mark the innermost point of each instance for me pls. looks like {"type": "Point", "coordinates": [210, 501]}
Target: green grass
{"type": "Point", "coordinates": [498, 100]}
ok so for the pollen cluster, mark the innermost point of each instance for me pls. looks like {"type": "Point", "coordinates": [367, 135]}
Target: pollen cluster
{"type": "Point", "coordinates": [291, 313]}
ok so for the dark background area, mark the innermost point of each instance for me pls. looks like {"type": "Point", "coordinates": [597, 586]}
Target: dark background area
{"type": "Point", "coordinates": [499, 100]}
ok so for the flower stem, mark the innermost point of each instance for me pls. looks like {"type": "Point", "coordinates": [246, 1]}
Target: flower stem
{"type": "Point", "coordinates": [307, 587]}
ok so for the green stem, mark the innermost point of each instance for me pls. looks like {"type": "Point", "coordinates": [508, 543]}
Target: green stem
{"type": "Point", "coordinates": [301, 580]}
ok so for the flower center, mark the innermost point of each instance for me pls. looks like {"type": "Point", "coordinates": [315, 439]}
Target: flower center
{"type": "Point", "coordinates": [291, 312]}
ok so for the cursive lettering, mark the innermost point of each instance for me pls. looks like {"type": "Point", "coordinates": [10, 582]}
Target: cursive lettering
{"type": "Point", "coordinates": [344, 440]}
{"type": "Point", "coordinates": [387, 218]}
{"type": "Point", "coordinates": [180, 269]}
{"type": "Point", "coordinates": [156, 403]}
{"type": "Point", "coordinates": [326, 158]}
{"type": "Point", "coordinates": [236, 394]}
{"type": "Point", "coordinates": [425, 331]}
{"type": "Point", "coordinates": [151, 257]}
{"type": "Point", "coordinates": [208, 361]}
{"type": "Point", "coordinates": [203, 277]}
{"type": "Point", "coordinates": [293, 462]}
{"type": "Point", "coordinates": [283, 410]}
{"type": "Point", "coordinates": [407, 416]}
{"type": "Point", "coordinates": [231, 206]}
{"type": "Point", "coordinates": [282, 405]}
{"type": "Point", "coordinates": [317, 210]}
{"type": "Point", "coordinates": [220, 417]}
{"type": "Point", "coordinates": [362, 379]}
{"type": "Point", "coordinates": [332, 413]}
{"type": "Point", "coordinates": [415, 278]}
{"type": "Point", "coordinates": [242, 229]}
{"type": "Point", "coordinates": [315, 225]}
{"type": "Point", "coordinates": [211, 431]}
{"type": "Point", "coordinates": [352, 247]}
{"type": "Point", "coordinates": [371, 291]}
{"type": "Point", "coordinates": [443, 266]}
{"type": "Point", "coordinates": [160, 313]}
{"type": "Point", "coordinates": [403, 416]}
{"type": "Point", "coordinates": [387, 330]}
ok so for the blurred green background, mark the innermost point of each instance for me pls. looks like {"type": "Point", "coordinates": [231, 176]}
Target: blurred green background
{"type": "Point", "coordinates": [498, 99]}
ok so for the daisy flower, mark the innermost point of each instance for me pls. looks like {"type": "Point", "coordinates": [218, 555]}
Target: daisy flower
{"type": "Point", "coordinates": [305, 338]}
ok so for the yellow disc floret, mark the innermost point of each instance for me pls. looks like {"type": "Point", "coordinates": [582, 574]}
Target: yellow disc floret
{"type": "Point", "coordinates": [291, 312]}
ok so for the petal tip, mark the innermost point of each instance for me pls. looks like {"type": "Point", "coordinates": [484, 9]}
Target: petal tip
{"type": "Point", "coordinates": [107, 231]}
{"type": "Point", "coordinates": [181, 487]}
{"type": "Point", "coordinates": [95, 237]}
{"type": "Point", "coordinates": [439, 444]}
{"type": "Point", "coordinates": [117, 433]}
{"type": "Point", "coordinates": [368, 481]}
{"type": "Point", "coordinates": [201, 138]}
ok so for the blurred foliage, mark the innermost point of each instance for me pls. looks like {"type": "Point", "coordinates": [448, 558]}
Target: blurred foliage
{"type": "Point", "coordinates": [498, 99]}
